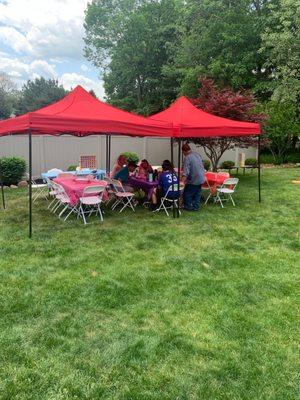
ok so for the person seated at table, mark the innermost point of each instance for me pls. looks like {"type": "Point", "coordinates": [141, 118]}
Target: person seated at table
{"type": "Point", "coordinates": [144, 170]}
{"type": "Point", "coordinates": [121, 161]}
{"type": "Point", "coordinates": [123, 174]}
{"type": "Point", "coordinates": [165, 180]}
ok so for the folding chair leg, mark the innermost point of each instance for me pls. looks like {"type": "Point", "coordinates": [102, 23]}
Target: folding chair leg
{"type": "Point", "coordinates": [49, 206]}
{"type": "Point", "coordinates": [100, 212]}
{"type": "Point", "coordinates": [72, 210]}
{"type": "Point", "coordinates": [83, 216]}
{"type": "Point", "coordinates": [231, 199]}
{"type": "Point", "coordinates": [219, 199]}
{"type": "Point", "coordinates": [208, 197]}
{"type": "Point", "coordinates": [62, 211]}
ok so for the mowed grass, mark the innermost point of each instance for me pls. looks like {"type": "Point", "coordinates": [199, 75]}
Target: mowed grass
{"type": "Point", "coordinates": [148, 307]}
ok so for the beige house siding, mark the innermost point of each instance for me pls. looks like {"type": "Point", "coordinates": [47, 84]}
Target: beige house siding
{"type": "Point", "coordinates": [62, 151]}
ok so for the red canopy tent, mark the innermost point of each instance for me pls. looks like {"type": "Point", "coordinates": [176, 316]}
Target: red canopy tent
{"type": "Point", "coordinates": [80, 114]}
{"type": "Point", "coordinates": [190, 122]}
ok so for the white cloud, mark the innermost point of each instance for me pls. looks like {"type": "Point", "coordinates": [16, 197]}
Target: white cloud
{"type": "Point", "coordinates": [43, 28]}
{"type": "Point", "coordinates": [71, 80]}
{"type": "Point", "coordinates": [16, 68]}
{"type": "Point", "coordinates": [14, 39]}
{"type": "Point", "coordinates": [84, 68]}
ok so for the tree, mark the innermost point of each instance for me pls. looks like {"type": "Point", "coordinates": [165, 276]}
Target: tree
{"type": "Point", "coordinates": [132, 46]}
{"type": "Point", "coordinates": [225, 103]}
{"type": "Point", "coordinates": [221, 39]}
{"type": "Point", "coordinates": [281, 44]}
{"type": "Point", "coordinates": [92, 92]}
{"type": "Point", "coordinates": [39, 93]}
{"type": "Point", "coordinates": [7, 96]}
{"type": "Point", "coordinates": [282, 129]}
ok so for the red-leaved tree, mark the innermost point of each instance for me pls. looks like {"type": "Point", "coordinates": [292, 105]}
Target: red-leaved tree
{"type": "Point", "coordinates": [225, 103]}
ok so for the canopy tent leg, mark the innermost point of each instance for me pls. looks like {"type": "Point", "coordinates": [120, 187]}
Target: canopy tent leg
{"type": "Point", "coordinates": [2, 191]}
{"type": "Point", "coordinates": [30, 181]}
{"type": "Point", "coordinates": [106, 154]}
{"type": "Point", "coordinates": [179, 166]}
{"type": "Point", "coordinates": [172, 162]}
{"type": "Point", "coordinates": [109, 153]}
{"type": "Point", "coordinates": [258, 170]}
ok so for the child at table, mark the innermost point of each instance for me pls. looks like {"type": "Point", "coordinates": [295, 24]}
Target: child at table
{"type": "Point", "coordinates": [166, 179]}
{"type": "Point", "coordinates": [144, 170]}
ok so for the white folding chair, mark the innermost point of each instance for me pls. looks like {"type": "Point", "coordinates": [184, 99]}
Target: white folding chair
{"type": "Point", "coordinates": [52, 191]}
{"type": "Point", "coordinates": [122, 197]}
{"type": "Point", "coordinates": [65, 175]}
{"type": "Point", "coordinates": [91, 201]}
{"type": "Point", "coordinates": [62, 199]}
{"type": "Point", "coordinates": [40, 190]}
{"type": "Point", "coordinates": [206, 187]}
{"type": "Point", "coordinates": [225, 192]}
{"type": "Point", "coordinates": [168, 201]}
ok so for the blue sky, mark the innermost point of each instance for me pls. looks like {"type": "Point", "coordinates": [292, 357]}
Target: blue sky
{"type": "Point", "coordinates": [44, 38]}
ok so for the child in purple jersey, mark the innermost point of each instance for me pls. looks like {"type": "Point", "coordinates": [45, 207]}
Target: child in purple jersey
{"type": "Point", "coordinates": [166, 179]}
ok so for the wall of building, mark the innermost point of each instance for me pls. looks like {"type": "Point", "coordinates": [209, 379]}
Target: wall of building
{"type": "Point", "coordinates": [62, 151]}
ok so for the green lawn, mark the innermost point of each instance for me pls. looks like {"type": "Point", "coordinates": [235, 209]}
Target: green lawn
{"type": "Point", "coordinates": [148, 307]}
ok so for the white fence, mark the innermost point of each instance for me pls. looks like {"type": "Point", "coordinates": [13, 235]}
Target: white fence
{"type": "Point", "coordinates": [63, 151]}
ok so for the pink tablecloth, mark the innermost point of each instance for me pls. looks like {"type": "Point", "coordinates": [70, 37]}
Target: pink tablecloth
{"type": "Point", "coordinates": [74, 189]}
{"type": "Point", "coordinates": [216, 179]}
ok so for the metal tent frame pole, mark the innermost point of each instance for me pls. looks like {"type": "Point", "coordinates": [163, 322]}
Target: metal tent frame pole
{"type": "Point", "coordinates": [179, 166]}
{"type": "Point", "coordinates": [30, 181]}
{"type": "Point", "coordinates": [258, 165]}
{"type": "Point", "coordinates": [109, 153]}
{"type": "Point", "coordinates": [2, 191]}
{"type": "Point", "coordinates": [172, 162]}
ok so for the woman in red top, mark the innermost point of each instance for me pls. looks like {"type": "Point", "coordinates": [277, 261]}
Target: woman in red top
{"type": "Point", "coordinates": [121, 161]}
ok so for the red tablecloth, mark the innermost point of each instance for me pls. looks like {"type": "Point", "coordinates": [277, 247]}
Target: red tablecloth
{"type": "Point", "coordinates": [147, 187]}
{"type": "Point", "coordinates": [216, 179]}
{"type": "Point", "coordinates": [74, 189]}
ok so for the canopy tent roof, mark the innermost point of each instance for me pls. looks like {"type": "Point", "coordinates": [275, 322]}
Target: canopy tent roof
{"type": "Point", "coordinates": [189, 121]}
{"type": "Point", "coordinates": [80, 114]}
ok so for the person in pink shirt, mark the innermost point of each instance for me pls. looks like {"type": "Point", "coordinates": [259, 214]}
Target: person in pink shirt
{"type": "Point", "coordinates": [121, 161]}
{"type": "Point", "coordinates": [144, 170]}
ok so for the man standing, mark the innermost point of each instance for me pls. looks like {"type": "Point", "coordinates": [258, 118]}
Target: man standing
{"type": "Point", "coordinates": [194, 174]}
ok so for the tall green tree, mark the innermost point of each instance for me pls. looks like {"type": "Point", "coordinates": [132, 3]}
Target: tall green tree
{"type": "Point", "coordinates": [221, 39]}
{"type": "Point", "coordinates": [38, 93]}
{"type": "Point", "coordinates": [133, 45]}
{"type": "Point", "coordinates": [282, 128]}
{"type": "Point", "coordinates": [281, 44]}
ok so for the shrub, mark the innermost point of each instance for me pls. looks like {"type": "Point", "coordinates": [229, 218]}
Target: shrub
{"type": "Point", "coordinates": [294, 157]}
{"type": "Point", "coordinates": [227, 164]}
{"type": "Point", "coordinates": [131, 156]}
{"type": "Point", "coordinates": [251, 161]}
{"type": "Point", "coordinates": [267, 159]}
{"type": "Point", "coordinates": [206, 164]}
{"type": "Point", "coordinates": [12, 169]}
{"type": "Point", "coordinates": [72, 167]}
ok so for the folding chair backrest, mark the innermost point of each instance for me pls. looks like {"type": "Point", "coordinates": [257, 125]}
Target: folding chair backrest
{"type": "Point", "coordinates": [93, 191]}
{"type": "Point", "coordinates": [173, 188]}
{"type": "Point", "coordinates": [231, 182]}
{"type": "Point", "coordinates": [65, 175]}
{"type": "Point", "coordinates": [117, 185]}
{"type": "Point", "coordinates": [62, 191]}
